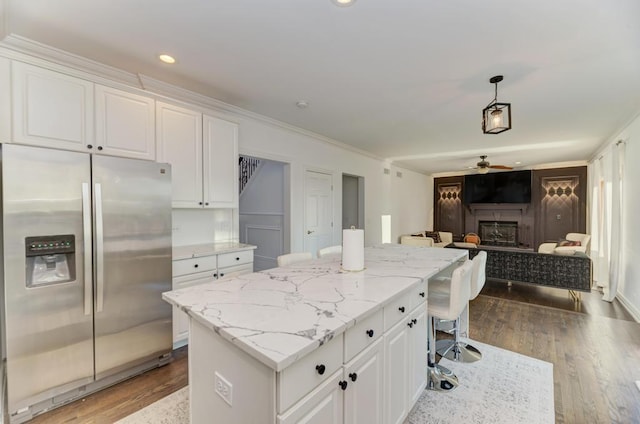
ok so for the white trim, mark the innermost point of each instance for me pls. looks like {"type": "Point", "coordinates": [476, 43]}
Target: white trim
{"type": "Point", "coordinates": [614, 138]}
{"type": "Point", "coordinates": [25, 50]}
{"type": "Point", "coordinates": [633, 311]}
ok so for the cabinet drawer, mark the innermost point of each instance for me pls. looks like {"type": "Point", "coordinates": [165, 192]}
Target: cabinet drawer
{"type": "Point", "coordinates": [397, 309]}
{"type": "Point", "coordinates": [235, 258]}
{"type": "Point", "coordinates": [234, 271]}
{"type": "Point", "coordinates": [419, 294]}
{"type": "Point", "coordinates": [189, 266]}
{"type": "Point", "coordinates": [363, 334]}
{"type": "Point", "coordinates": [300, 378]}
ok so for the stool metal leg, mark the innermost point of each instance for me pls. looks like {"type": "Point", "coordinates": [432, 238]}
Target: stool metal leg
{"type": "Point", "coordinates": [456, 350]}
{"type": "Point", "coordinates": [439, 377]}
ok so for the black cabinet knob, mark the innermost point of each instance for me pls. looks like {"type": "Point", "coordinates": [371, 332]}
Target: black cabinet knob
{"type": "Point", "coordinates": [414, 320]}
{"type": "Point", "coordinates": [410, 324]}
{"type": "Point", "coordinates": [206, 204]}
{"type": "Point", "coordinates": [89, 146]}
{"type": "Point", "coordinates": [421, 294]}
{"type": "Point", "coordinates": [199, 203]}
{"type": "Point", "coordinates": [237, 259]}
{"type": "Point", "coordinates": [221, 274]}
{"type": "Point", "coordinates": [343, 385]}
{"type": "Point", "coordinates": [353, 376]}
{"type": "Point", "coordinates": [195, 266]}
{"type": "Point", "coordinates": [401, 309]}
{"type": "Point", "coordinates": [370, 333]}
{"type": "Point", "coordinates": [99, 147]}
{"type": "Point", "coordinates": [320, 368]}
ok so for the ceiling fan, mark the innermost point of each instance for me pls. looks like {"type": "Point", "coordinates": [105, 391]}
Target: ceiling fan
{"type": "Point", "coordinates": [484, 165]}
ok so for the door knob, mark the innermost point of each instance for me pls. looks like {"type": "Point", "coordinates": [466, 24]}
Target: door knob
{"type": "Point", "coordinates": [309, 231]}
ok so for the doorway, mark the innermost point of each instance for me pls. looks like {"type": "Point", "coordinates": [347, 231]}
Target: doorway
{"type": "Point", "coordinates": [352, 201]}
{"type": "Point", "coordinates": [264, 209]}
{"type": "Point", "coordinates": [318, 210]}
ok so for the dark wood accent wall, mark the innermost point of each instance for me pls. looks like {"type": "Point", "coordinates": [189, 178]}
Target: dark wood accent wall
{"type": "Point", "coordinates": [558, 206]}
{"type": "Point", "coordinates": [448, 211]}
{"type": "Point", "coordinates": [560, 199]}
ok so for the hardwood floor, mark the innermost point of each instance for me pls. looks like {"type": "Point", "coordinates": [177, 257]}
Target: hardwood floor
{"type": "Point", "coordinates": [594, 347]}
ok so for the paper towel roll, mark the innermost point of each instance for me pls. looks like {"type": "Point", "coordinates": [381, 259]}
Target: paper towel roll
{"type": "Point", "coordinates": [353, 249]}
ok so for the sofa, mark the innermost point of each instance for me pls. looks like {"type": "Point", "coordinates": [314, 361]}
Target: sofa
{"type": "Point", "coordinates": [426, 238]}
{"type": "Point", "coordinates": [571, 272]}
{"type": "Point", "coordinates": [572, 243]}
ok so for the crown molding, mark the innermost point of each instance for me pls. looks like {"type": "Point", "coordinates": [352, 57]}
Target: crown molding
{"type": "Point", "coordinates": [20, 48]}
{"type": "Point", "coordinates": [182, 94]}
{"type": "Point", "coordinates": [25, 50]}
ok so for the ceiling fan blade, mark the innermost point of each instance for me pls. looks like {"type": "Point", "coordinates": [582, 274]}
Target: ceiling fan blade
{"type": "Point", "coordinates": [500, 167]}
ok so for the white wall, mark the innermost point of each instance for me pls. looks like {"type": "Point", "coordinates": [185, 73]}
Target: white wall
{"type": "Point", "coordinates": [629, 288]}
{"type": "Point", "coordinates": [383, 194]}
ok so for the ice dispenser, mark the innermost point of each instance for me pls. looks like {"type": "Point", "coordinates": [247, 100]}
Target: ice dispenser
{"type": "Point", "coordinates": [50, 259]}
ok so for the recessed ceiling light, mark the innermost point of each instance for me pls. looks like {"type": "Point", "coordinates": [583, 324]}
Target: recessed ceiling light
{"type": "Point", "coordinates": [343, 3]}
{"type": "Point", "coordinates": [518, 163]}
{"type": "Point", "coordinates": [302, 104]}
{"type": "Point", "coordinates": [167, 59]}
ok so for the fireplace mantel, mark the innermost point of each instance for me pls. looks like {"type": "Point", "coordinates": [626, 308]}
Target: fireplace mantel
{"type": "Point", "coordinates": [523, 208]}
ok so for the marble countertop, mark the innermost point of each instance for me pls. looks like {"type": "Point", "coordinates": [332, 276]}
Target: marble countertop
{"type": "Point", "coordinates": [208, 249]}
{"type": "Point", "coordinates": [281, 314]}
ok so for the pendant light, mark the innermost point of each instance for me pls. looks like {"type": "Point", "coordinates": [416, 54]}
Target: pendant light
{"type": "Point", "coordinates": [496, 117]}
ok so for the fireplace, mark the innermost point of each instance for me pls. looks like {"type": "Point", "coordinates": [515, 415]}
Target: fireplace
{"type": "Point", "coordinates": [499, 233]}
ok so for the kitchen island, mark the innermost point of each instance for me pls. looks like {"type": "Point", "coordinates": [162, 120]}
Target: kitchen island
{"type": "Point", "coordinates": [311, 341]}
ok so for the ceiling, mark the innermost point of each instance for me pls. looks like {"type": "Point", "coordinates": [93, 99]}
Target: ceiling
{"type": "Point", "coordinates": [405, 80]}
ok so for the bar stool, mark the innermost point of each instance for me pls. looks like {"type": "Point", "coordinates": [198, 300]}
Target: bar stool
{"type": "Point", "coordinates": [291, 258]}
{"type": "Point", "coordinates": [329, 250]}
{"type": "Point", "coordinates": [457, 350]}
{"type": "Point", "coordinates": [446, 305]}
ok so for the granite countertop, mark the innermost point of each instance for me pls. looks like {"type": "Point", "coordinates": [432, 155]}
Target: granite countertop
{"type": "Point", "coordinates": [208, 249]}
{"type": "Point", "coordinates": [279, 315]}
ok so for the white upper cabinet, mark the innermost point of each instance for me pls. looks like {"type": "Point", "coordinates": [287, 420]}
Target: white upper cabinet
{"type": "Point", "coordinates": [220, 148]}
{"type": "Point", "coordinates": [51, 109]}
{"type": "Point", "coordinates": [179, 142]}
{"type": "Point", "coordinates": [203, 153]}
{"type": "Point", "coordinates": [124, 124]}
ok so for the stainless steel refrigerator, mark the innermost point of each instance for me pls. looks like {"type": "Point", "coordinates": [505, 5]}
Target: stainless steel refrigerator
{"type": "Point", "coordinates": [86, 254]}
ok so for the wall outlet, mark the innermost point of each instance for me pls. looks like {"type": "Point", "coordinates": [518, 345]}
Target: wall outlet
{"type": "Point", "coordinates": [224, 389]}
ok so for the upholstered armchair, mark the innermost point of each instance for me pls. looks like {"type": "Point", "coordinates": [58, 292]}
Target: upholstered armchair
{"type": "Point", "coordinates": [573, 242]}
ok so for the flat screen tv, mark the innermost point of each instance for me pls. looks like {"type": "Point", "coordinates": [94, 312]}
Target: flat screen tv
{"type": "Point", "coordinates": [498, 187]}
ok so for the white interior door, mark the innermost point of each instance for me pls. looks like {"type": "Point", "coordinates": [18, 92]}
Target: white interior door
{"type": "Point", "coordinates": [318, 211]}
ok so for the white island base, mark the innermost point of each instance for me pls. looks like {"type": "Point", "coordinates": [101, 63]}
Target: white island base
{"type": "Point", "coordinates": [310, 343]}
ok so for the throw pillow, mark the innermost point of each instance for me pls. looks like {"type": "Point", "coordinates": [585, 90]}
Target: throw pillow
{"type": "Point", "coordinates": [434, 235]}
{"type": "Point", "coordinates": [472, 238]}
{"type": "Point", "coordinates": [564, 242]}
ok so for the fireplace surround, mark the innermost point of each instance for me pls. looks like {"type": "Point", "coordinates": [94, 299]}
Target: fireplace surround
{"type": "Point", "coordinates": [498, 233]}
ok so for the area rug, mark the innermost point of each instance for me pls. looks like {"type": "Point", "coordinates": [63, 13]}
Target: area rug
{"type": "Point", "coordinates": [502, 388]}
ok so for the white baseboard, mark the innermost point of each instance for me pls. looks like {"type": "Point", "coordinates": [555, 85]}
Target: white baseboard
{"type": "Point", "coordinates": [635, 312]}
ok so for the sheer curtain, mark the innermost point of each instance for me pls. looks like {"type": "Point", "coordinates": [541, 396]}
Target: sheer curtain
{"type": "Point", "coordinates": [605, 179]}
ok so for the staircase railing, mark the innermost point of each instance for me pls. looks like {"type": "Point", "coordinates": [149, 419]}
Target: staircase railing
{"type": "Point", "coordinates": [248, 166]}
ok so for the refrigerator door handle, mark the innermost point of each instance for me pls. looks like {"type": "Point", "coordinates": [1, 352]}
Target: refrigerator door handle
{"type": "Point", "coordinates": [99, 249]}
{"type": "Point", "coordinates": [86, 233]}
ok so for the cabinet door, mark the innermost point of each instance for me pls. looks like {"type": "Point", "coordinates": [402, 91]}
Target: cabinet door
{"type": "Point", "coordinates": [179, 142]}
{"type": "Point", "coordinates": [51, 109]}
{"type": "Point", "coordinates": [324, 405]}
{"type": "Point", "coordinates": [418, 355]}
{"type": "Point", "coordinates": [220, 149]}
{"type": "Point", "coordinates": [125, 124]}
{"type": "Point", "coordinates": [180, 319]}
{"type": "Point", "coordinates": [363, 398]}
{"type": "Point", "coordinates": [396, 372]}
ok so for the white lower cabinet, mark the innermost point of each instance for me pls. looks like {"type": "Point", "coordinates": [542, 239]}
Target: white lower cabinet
{"type": "Point", "coordinates": [363, 396]}
{"type": "Point", "coordinates": [180, 319]}
{"type": "Point", "coordinates": [324, 405]}
{"type": "Point", "coordinates": [405, 349]}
